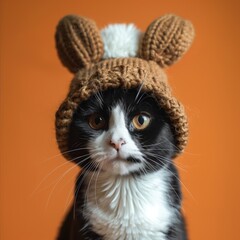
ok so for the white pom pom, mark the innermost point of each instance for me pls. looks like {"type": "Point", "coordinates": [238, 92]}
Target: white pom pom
{"type": "Point", "coordinates": [120, 40]}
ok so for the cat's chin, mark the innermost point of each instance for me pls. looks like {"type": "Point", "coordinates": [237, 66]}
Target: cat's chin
{"type": "Point", "coordinates": [120, 166]}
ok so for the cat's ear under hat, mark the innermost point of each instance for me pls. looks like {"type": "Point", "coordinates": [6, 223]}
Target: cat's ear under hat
{"type": "Point", "coordinates": [166, 40]}
{"type": "Point", "coordinates": [78, 42]}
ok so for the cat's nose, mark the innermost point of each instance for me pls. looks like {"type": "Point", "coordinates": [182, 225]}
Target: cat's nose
{"type": "Point", "coordinates": [117, 144]}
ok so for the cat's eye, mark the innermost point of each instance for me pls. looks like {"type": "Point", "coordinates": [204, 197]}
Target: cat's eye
{"type": "Point", "coordinates": [96, 121]}
{"type": "Point", "coordinates": [141, 121]}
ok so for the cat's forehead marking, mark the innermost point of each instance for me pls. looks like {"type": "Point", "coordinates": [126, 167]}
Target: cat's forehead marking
{"type": "Point", "coordinates": [117, 124]}
{"type": "Point", "coordinates": [117, 115]}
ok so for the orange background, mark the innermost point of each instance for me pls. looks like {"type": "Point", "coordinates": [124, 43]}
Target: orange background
{"type": "Point", "coordinates": [33, 83]}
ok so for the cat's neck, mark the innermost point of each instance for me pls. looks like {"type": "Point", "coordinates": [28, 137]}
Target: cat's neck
{"type": "Point", "coordinates": [140, 201]}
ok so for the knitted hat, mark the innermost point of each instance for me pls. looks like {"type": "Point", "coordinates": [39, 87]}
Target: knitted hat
{"type": "Point", "coordinates": [81, 49]}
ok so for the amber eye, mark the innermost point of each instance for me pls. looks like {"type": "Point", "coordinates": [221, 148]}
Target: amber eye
{"type": "Point", "coordinates": [141, 121]}
{"type": "Point", "coordinates": [96, 121]}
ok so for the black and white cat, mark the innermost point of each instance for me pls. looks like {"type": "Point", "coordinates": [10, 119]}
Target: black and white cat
{"type": "Point", "coordinates": [128, 188]}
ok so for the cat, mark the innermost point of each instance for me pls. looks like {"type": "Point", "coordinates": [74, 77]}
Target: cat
{"type": "Point", "coordinates": [128, 187]}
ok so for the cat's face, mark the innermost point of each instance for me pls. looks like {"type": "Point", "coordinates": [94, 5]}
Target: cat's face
{"type": "Point", "coordinates": [121, 132]}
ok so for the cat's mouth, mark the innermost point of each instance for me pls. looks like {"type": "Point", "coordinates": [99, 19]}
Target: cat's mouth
{"type": "Point", "coordinates": [122, 165]}
{"type": "Point", "coordinates": [129, 159]}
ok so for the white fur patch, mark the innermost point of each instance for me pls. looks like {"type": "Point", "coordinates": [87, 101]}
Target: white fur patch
{"type": "Point", "coordinates": [108, 158]}
{"type": "Point", "coordinates": [127, 207]}
{"type": "Point", "coordinates": [120, 40]}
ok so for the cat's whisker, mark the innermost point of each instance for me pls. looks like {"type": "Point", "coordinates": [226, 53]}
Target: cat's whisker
{"type": "Point", "coordinates": [181, 183]}
{"type": "Point", "coordinates": [76, 143]}
{"type": "Point", "coordinates": [61, 177]}
{"type": "Point", "coordinates": [66, 152]}
{"type": "Point", "coordinates": [71, 192]}
{"type": "Point", "coordinates": [139, 91]}
{"type": "Point", "coordinates": [89, 183]}
{"type": "Point", "coordinates": [143, 170]}
{"type": "Point", "coordinates": [174, 176]}
{"type": "Point", "coordinates": [130, 107]}
{"type": "Point", "coordinates": [148, 160]}
{"type": "Point", "coordinates": [99, 98]}
{"type": "Point", "coordinates": [99, 156]}
{"type": "Point", "coordinates": [75, 195]}
{"type": "Point", "coordinates": [179, 198]}
{"type": "Point", "coordinates": [85, 167]}
{"type": "Point", "coordinates": [83, 174]}
{"type": "Point", "coordinates": [54, 170]}
{"type": "Point", "coordinates": [50, 195]}
{"type": "Point", "coordinates": [147, 154]}
{"type": "Point", "coordinates": [163, 140]}
{"type": "Point", "coordinates": [154, 144]}
{"type": "Point", "coordinates": [99, 171]}
{"type": "Point", "coordinates": [177, 165]}
{"type": "Point", "coordinates": [175, 147]}
{"type": "Point", "coordinates": [157, 156]}
{"type": "Point", "coordinates": [142, 98]}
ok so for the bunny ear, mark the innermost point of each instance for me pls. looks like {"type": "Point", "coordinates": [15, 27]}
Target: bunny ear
{"type": "Point", "coordinates": [78, 42]}
{"type": "Point", "coordinates": [166, 40]}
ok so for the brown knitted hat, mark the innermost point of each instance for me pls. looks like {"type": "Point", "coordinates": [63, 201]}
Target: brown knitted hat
{"type": "Point", "coordinates": [80, 48]}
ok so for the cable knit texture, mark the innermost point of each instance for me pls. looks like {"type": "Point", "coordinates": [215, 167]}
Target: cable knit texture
{"type": "Point", "coordinates": [166, 40]}
{"type": "Point", "coordinates": [78, 42]}
{"type": "Point", "coordinates": [80, 49]}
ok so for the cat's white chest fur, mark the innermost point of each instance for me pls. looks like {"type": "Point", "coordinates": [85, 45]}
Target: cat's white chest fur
{"type": "Point", "coordinates": [126, 207]}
